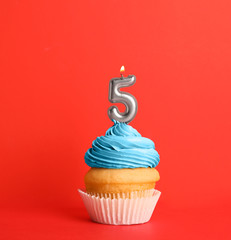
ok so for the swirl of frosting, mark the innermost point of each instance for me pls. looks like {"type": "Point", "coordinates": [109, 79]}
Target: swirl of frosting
{"type": "Point", "coordinates": [122, 147]}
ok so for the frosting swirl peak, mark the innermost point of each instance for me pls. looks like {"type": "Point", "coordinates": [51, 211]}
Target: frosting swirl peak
{"type": "Point", "coordinates": [122, 147]}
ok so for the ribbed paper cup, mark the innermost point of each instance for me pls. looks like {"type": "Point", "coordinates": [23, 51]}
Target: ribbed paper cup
{"type": "Point", "coordinates": [120, 211]}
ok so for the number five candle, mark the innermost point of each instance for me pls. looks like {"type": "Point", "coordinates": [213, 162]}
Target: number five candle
{"type": "Point", "coordinates": [117, 96]}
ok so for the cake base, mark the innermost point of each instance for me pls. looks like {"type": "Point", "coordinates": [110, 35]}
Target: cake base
{"type": "Point", "coordinates": [125, 180]}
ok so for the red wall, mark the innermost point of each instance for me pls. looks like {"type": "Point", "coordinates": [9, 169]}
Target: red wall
{"type": "Point", "coordinates": [56, 60]}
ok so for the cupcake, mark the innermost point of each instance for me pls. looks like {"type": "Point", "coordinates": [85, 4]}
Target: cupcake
{"type": "Point", "coordinates": [120, 185]}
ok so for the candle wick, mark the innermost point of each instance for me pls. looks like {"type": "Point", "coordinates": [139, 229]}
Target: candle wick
{"type": "Point", "coordinates": [122, 75]}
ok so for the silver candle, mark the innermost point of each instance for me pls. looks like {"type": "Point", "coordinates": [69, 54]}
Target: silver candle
{"type": "Point", "coordinates": [117, 96]}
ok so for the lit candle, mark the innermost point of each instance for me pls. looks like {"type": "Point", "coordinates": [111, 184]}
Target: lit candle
{"type": "Point", "coordinates": [117, 96]}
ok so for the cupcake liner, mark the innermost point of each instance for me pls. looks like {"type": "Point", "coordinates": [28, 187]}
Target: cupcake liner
{"type": "Point", "coordinates": [120, 211]}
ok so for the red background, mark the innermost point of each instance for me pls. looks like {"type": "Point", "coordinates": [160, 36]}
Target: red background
{"type": "Point", "coordinates": [56, 60]}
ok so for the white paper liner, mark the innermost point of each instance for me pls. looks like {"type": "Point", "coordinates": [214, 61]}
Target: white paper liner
{"type": "Point", "coordinates": [120, 211]}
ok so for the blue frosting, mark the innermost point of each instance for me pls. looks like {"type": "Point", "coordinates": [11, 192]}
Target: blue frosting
{"type": "Point", "coordinates": [122, 147]}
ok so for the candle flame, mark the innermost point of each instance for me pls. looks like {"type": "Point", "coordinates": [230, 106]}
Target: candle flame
{"type": "Point", "coordinates": [122, 69]}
